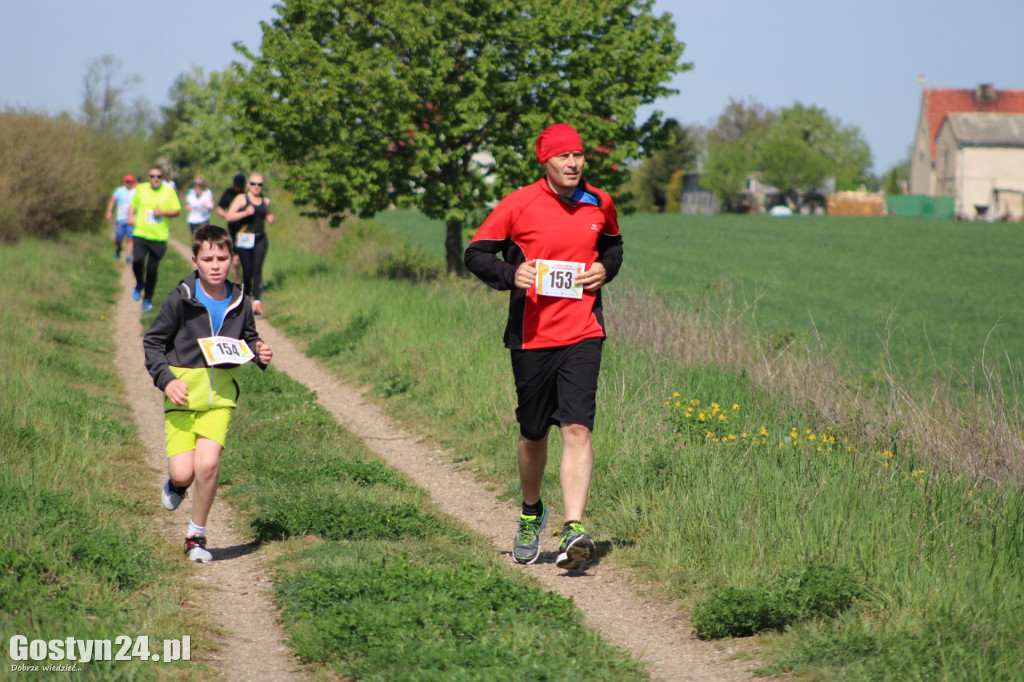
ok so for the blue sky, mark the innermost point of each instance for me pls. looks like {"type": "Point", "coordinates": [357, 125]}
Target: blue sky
{"type": "Point", "coordinates": [859, 61]}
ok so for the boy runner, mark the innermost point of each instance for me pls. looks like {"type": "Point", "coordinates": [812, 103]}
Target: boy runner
{"type": "Point", "coordinates": [201, 386]}
{"type": "Point", "coordinates": [561, 243]}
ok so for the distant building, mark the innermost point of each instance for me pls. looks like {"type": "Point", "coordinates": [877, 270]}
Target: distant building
{"type": "Point", "coordinates": [979, 160]}
{"type": "Point", "coordinates": [696, 200]}
{"type": "Point", "coordinates": [936, 104]}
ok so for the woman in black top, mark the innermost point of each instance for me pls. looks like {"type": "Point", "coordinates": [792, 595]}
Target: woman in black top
{"type": "Point", "coordinates": [252, 212]}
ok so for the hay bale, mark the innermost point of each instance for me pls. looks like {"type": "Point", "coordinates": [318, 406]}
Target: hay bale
{"type": "Point", "coordinates": [855, 203]}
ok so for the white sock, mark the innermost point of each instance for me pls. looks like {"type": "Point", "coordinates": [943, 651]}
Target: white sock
{"type": "Point", "coordinates": [193, 529]}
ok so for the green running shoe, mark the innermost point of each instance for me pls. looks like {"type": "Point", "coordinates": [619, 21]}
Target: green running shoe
{"type": "Point", "coordinates": [526, 544]}
{"type": "Point", "coordinates": [576, 547]}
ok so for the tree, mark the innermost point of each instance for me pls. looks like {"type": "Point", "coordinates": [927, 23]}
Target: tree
{"type": "Point", "coordinates": [197, 130]}
{"type": "Point", "coordinates": [794, 149]}
{"type": "Point", "coordinates": [104, 108]}
{"type": "Point", "coordinates": [845, 154]}
{"type": "Point", "coordinates": [726, 168]}
{"type": "Point", "coordinates": [895, 179]}
{"type": "Point", "coordinates": [681, 154]}
{"type": "Point", "coordinates": [739, 121]}
{"type": "Point", "coordinates": [733, 150]}
{"type": "Point", "coordinates": [791, 164]}
{"type": "Point", "coordinates": [439, 102]}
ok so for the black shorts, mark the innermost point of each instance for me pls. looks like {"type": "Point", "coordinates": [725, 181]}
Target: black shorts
{"type": "Point", "coordinates": [556, 386]}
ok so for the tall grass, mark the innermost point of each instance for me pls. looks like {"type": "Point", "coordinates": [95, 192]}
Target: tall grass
{"type": "Point", "coordinates": [804, 469]}
{"type": "Point", "coordinates": [918, 298]}
{"type": "Point", "coordinates": [78, 557]}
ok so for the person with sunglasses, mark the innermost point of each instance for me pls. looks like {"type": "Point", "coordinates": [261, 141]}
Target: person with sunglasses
{"type": "Point", "coordinates": [252, 211]}
{"type": "Point", "coordinates": [151, 206]}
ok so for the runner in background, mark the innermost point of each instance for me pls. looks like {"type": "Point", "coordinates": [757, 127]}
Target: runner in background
{"type": "Point", "coordinates": [252, 212]}
{"type": "Point", "coordinates": [560, 240]}
{"type": "Point", "coordinates": [237, 187]}
{"type": "Point", "coordinates": [200, 202]}
{"type": "Point", "coordinates": [151, 206]}
{"type": "Point", "coordinates": [117, 209]}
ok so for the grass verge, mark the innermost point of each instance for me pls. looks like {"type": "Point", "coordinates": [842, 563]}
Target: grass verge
{"type": "Point", "coordinates": [78, 556]}
{"type": "Point", "coordinates": [371, 581]}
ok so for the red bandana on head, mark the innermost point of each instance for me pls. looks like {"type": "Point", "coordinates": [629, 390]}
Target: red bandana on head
{"type": "Point", "coordinates": [558, 139]}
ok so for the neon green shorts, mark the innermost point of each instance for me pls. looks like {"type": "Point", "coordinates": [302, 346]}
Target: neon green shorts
{"type": "Point", "coordinates": [183, 427]}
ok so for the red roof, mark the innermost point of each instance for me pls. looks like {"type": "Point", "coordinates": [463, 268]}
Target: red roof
{"type": "Point", "coordinates": [937, 102]}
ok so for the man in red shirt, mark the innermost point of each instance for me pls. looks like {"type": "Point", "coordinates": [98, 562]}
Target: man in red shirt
{"type": "Point", "coordinates": [560, 241]}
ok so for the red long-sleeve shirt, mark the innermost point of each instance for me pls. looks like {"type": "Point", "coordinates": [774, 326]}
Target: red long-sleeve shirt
{"type": "Point", "coordinates": [536, 222]}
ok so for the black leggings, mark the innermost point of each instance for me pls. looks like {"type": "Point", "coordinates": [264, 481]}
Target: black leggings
{"type": "Point", "coordinates": [252, 266]}
{"type": "Point", "coordinates": [145, 270]}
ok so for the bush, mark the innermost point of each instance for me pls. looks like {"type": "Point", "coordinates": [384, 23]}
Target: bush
{"type": "Point", "coordinates": [815, 591]}
{"type": "Point", "coordinates": [51, 176]}
{"type": "Point", "coordinates": [370, 248]}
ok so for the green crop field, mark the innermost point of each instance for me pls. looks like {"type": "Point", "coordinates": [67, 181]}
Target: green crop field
{"type": "Point", "coordinates": [939, 293]}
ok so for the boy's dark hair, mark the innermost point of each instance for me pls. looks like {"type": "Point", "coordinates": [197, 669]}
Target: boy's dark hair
{"type": "Point", "coordinates": [215, 234]}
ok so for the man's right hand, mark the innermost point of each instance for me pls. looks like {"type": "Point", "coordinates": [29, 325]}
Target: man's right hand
{"type": "Point", "coordinates": [526, 274]}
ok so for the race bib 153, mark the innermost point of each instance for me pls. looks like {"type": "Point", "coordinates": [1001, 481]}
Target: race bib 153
{"type": "Point", "coordinates": [558, 278]}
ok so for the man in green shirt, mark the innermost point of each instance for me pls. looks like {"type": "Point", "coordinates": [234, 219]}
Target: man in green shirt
{"type": "Point", "coordinates": [152, 205]}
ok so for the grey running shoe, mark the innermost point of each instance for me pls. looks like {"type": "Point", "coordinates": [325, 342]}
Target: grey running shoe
{"type": "Point", "coordinates": [576, 547]}
{"type": "Point", "coordinates": [195, 549]}
{"type": "Point", "coordinates": [172, 495]}
{"type": "Point", "coordinates": [526, 544]}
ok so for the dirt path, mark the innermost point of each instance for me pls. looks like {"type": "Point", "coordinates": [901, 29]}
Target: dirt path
{"type": "Point", "coordinates": [609, 598]}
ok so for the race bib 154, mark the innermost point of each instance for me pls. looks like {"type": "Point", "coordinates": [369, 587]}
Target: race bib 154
{"type": "Point", "coordinates": [224, 350]}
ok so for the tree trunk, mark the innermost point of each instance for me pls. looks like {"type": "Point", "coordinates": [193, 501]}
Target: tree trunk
{"type": "Point", "coordinates": [453, 247]}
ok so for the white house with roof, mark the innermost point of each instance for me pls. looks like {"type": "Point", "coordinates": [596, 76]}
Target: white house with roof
{"type": "Point", "coordinates": [979, 160]}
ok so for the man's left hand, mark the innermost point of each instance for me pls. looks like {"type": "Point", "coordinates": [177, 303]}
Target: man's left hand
{"type": "Point", "coordinates": [594, 278]}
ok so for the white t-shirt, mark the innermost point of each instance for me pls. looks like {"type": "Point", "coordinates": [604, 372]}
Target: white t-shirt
{"type": "Point", "coordinates": [199, 207]}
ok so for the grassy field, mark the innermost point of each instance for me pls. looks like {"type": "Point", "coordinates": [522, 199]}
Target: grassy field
{"type": "Point", "coordinates": [856, 558]}
{"type": "Point", "coordinates": [938, 293]}
{"type": "Point", "coordinates": [735, 500]}
{"type": "Point", "coordinates": [78, 556]}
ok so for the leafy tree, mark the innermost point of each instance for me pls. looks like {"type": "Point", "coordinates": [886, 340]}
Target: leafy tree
{"type": "Point", "coordinates": [739, 121]}
{"type": "Point", "coordinates": [791, 163]}
{"type": "Point", "coordinates": [896, 178]}
{"type": "Point", "coordinates": [846, 155]}
{"type": "Point", "coordinates": [439, 102]}
{"type": "Point", "coordinates": [726, 168]}
{"type": "Point", "coordinates": [674, 192]}
{"type": "Point", "coordinates": [197, 132]}
{"type": "Point", "coordinates": [794, 148]}
{"type": "Point", "coordinates": [104, 108]}
{"type": "Point", "coordinates": [661, 167]}
{"type": "Point", "coordinates": [733, 150]}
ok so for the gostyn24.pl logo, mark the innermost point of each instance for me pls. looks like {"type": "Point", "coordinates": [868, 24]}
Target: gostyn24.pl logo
{"type": "Point", "coordinates": [76, 651]}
